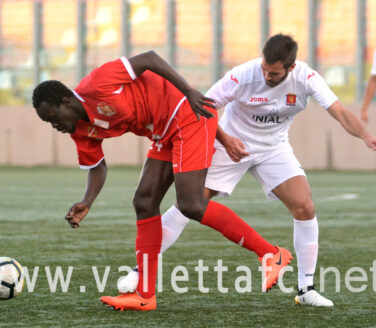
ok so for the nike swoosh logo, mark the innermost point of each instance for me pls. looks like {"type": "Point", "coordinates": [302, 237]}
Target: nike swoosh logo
{"type": "Point", "coordinates": [143, 304]}
{"type": "Point", "coordinates": [280, 260]}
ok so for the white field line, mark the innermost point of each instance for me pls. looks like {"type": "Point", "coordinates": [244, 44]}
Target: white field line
{"type": "Point", "coordinates": [343, 197]}
{"type": "Point", "coordinates": [339, 198]}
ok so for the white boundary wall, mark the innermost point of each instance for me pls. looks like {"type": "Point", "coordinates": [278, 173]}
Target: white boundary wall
{"type": "Point", "coordinates": [318, 140]}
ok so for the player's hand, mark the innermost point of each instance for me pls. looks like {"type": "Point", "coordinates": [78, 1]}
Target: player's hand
{"type": "Point", "coordinates": [371, 142]}
{"type": "Point", "coordinates": [76, 214]}
{"type": "Point", "coordinates": [364, 116]}
{"type": "Point", "coordinates": [197, 101]}
{"type": "Point", "coordinates": [235, 148]}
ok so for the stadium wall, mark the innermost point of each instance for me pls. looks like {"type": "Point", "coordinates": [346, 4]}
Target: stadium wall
{"type": "Point", "coordinates": [319, 142]}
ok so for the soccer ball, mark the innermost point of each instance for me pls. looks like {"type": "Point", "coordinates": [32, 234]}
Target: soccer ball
{"type": "Point", "coordinates": [11, 278]}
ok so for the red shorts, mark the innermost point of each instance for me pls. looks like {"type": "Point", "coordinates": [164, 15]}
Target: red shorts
{"type": "Point", "coordinates": [188, 143]}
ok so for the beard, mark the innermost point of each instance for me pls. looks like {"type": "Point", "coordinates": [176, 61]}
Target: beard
{"type": "Point", "coordinates": [275, 83]}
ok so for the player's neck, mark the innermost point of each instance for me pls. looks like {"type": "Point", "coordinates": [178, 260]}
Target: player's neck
{"type": "Point", "coordinates": [80, 109]}
{"type": "Point", "coordinates": [84, 115]}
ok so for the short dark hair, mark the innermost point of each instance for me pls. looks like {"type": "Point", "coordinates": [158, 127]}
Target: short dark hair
{"type": "Point", "coordinates": [51, 92]}
{"type": "Point", "coordinates": [280, 47]}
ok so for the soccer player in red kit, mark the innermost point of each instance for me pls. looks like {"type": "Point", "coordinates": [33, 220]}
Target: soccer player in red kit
{"type": "Point", "coordinates": [146, 96]}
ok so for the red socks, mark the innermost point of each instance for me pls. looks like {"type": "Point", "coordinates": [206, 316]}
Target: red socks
{"type": "Point", "coordinates": [224, 220]}
{"type": "Point", "coordinates": [217, 216]}
{"type": "Point", "coordinates": [148, 242]}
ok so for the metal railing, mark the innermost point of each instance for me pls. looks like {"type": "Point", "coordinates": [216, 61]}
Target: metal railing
{"type": "Point", "coordinates": [217, 27]}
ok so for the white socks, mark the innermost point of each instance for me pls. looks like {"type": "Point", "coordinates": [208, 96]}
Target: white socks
{"type": "Point", "coordinates": [173, 223]}
{"type": "Point", "coordinates": [306, 236]}
{"type": "Point", "coordinates": [306, 244]}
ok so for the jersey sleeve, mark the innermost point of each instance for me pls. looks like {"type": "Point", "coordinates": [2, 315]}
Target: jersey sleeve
{"type": "Point", "coordinates": [89, 151]}
{"type": "Point", "coordinates": [225, 90]}
{"type": "Point", "coordinates": [113, 74]}
{"type": "Point", "coordinates": [373, 70]}
{"type": "Point", "coordinates": [319, 89]}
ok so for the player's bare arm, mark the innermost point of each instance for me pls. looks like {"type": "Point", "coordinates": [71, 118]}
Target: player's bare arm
{"type": "Point", "coordinates": [95, 182]}
{"type": "Point", "coordinates": [152, 62]}
{"type": "Point", "coordinates": [370, 92]}
{"type": "Point", "coordinates": [235, 148]}
{"type": "Point", "coordinates": [351, 124]}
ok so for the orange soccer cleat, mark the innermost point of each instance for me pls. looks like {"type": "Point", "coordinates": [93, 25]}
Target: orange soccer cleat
{"type": "Point", "coordinates": [273, 266]}
{"type": "Point", "coordinates": [130, 301]}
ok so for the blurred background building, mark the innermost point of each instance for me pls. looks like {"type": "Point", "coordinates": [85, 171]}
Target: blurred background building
{"type": "Point", "coordinates": [65, 39]}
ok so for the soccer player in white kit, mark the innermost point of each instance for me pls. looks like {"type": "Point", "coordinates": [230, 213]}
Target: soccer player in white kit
{"type": "Point", "coordinates": [370, 91]}
{"type": "Point", "coordinates": [261, 98]}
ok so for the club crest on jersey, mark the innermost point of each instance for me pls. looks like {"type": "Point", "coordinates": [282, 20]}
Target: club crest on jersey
{"type": "Point", "coordinates": [105, 109]}
{"type": "Point", "coordinates": [291, 99]}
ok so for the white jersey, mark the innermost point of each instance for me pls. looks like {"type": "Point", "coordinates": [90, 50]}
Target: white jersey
{"type": "Point", "coordinates": [373, 70]}
{"type": "Point", "coordinates": [260, 115]}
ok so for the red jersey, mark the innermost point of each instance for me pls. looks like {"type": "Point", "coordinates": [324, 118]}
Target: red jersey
{"type": "Point", "coordinates": [117, 102]}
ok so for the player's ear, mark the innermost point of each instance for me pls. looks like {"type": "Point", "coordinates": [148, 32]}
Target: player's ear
{"type": "Point", "coordinates": [292, 67]}
{"type": "Point", "coordinates": [66, 101]}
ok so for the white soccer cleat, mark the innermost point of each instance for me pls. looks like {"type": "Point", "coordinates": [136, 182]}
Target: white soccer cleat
{"type": "Point", "coordinates": [312, 298]}
{"type": "Point", "coordinates": [128, 284]}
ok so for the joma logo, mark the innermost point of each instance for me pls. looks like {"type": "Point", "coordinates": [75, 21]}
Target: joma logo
{"type": "Point", "coordinates": [258, 99]}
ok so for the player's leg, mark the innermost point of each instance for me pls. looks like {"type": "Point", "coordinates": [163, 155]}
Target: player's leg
{"type": "Point", "coordinates": [295, 193]}
{"type": "Point", "coordinates": [282, 176]}
{"type": "Point", "coordinates": [192, 203]}
{"type": "Point", "coordinates": [173, 224]}
{"type": "Point", "coordinates": [155, 180]}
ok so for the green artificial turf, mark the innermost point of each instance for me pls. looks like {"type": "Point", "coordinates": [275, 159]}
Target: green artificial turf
{"type": "Point", "coordinates": [33, 202]}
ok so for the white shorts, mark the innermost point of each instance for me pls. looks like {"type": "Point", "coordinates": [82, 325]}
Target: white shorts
{"type": "Point", "coordinates": [270, 169]}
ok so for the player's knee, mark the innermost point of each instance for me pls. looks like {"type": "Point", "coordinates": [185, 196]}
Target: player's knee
{"type": "Point", "coordinates": [304, 210]}
{"type": "Point", "coordinates": [138, 205]}
{"type": "Point", "coordinates": [192, 209]}
{"type": "Point", "coordinates": [144, 205]}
